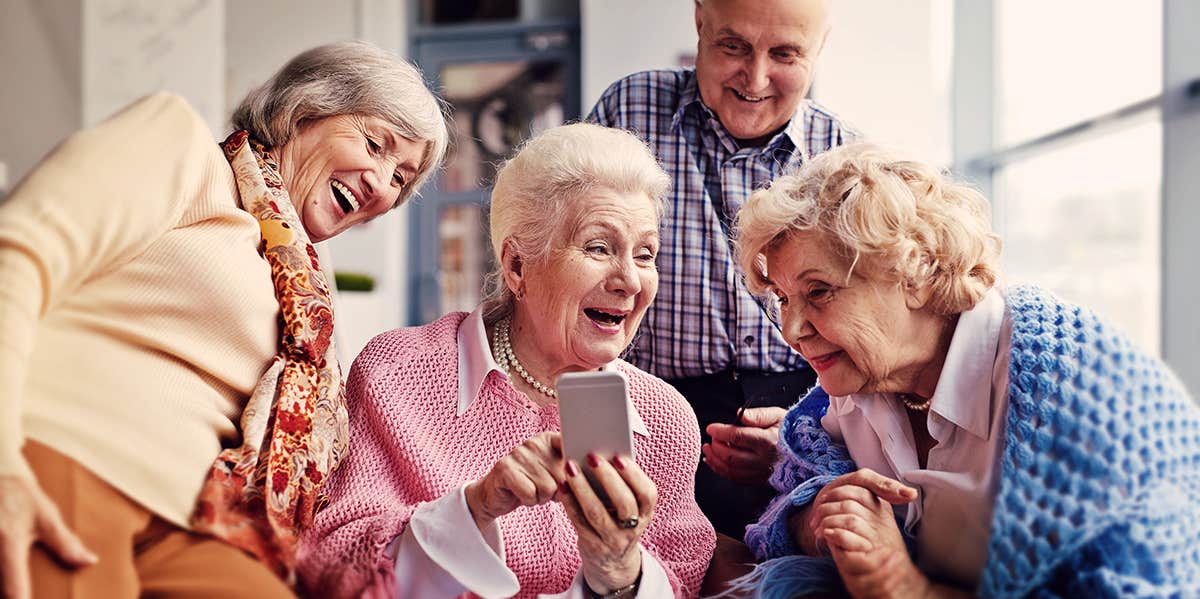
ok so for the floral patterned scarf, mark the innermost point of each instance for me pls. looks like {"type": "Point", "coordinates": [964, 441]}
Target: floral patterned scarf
{"type": "Point", "coordinates": [261, 495]}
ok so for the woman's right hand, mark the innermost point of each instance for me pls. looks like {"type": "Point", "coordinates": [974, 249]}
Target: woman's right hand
{"type": "Point", "coordinates": [27, 516]}
{"type": "Point", "coordinates": [806, 522]}
{"type": "Point", "coordinates": [528, 475]}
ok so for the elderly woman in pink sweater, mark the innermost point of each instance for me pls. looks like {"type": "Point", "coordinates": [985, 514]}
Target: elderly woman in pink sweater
{"type": "Point", "coordinates": [455, 484]}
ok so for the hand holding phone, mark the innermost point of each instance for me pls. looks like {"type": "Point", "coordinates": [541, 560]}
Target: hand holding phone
{"type": "Point", "coordinates": [594, 410]}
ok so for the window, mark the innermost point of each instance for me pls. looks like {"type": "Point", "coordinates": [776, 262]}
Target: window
{"type": "Point", "coordinates": [1075, 160]}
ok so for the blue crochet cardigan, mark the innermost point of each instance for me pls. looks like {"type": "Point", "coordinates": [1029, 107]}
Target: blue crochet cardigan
{"type": "Point", "coordinates": [1099, 491]}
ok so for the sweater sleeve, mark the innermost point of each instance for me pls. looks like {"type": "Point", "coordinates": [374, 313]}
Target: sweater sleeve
{"type": "Point", "coordinates": [349, 550]}
{"type": "Point", "coordinates": [809, 460]}
{"type": "Point", "coordinates": [97, 200]}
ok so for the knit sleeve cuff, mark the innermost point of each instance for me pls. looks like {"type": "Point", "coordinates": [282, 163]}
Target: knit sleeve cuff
{"type": "Point", "coordinates": [771, 536]}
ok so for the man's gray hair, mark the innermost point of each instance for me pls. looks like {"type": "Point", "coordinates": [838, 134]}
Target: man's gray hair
{"type": "Point", "coordinates": [347, 78]}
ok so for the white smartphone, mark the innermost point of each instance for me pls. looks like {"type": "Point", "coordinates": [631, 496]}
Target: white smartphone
{"type": "Point", "coordinates": [594, 409]}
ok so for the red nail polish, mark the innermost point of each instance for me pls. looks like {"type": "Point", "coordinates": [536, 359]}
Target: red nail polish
{"type": "Point", "coordinates": [563, 487]}
{"type": "Point", "coordinates": [593, 461]}
{"type": "Point", "coordinates": [571, 471]}
{"type": "Point", "coordinates": [618, 462]}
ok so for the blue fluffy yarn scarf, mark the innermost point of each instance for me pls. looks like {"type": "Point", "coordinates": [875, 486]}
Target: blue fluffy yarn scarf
{"type": "Point", "coordinates": [1100, 474]}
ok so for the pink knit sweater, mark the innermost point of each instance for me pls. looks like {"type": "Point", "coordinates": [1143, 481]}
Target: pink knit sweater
{"type": "Point", "coordinates": [408, 447]}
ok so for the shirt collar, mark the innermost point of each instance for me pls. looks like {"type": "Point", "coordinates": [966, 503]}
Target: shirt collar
{"type": "Point", "coordinates": [964, 390]}
{"type": "Point", "coordinates": [689, 97]}
{"type": "Point", "coordinates": [476, 361]}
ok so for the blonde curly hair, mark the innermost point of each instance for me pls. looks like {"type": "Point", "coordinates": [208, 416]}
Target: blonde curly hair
{"type": "Point", "coordinates": [895, 218]}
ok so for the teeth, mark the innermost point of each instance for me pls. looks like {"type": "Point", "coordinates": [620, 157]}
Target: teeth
{"type": "Point", "coordinates": [347, 196]}
{"type": "Point", "coordinates": [749, 98]}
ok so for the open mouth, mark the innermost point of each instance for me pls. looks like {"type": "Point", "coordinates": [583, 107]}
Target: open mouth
{"type": "Point", "coordinates": [605, 318]}
{"type": "Point", "coordinates": [344, 196]}
{"type": "Point", "coordinates": [746, 98]}
{"type": "Point", "coordinates": [824, 361]}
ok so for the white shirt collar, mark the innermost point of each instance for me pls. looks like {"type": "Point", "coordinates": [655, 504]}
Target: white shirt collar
{"type": "Point", "coordinates": [964, 390]}
{"type": "Point", "coordinates": [475, 361]}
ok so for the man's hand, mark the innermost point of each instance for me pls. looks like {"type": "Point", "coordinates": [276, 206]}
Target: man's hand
{"type": "Point", "coordinates": [745, 454]}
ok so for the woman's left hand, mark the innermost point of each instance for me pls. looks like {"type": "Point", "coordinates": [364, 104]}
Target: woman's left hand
{"type": "Point", "coordinates": [610, 551]}
{"type": "Point", "coordinates": [860, 530]}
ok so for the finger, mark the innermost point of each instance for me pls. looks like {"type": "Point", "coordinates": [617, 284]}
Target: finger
{"type": "Point", "coordinates": [717, 462]}
{"type": "Point", "coordinates": [575, 514]}
{"type": "Point", "coordinates": [835, 508]}
{"type": "Point", "coordinates": [857, 494]}
{"type": "Point", "coordinates": [16, 567]}
{"type": "Point", "coordinates": [847, 539]}
{"type": "Point", "coordinates": [643, 488]}
{"type": "Point", "coordinates": [511, 477]}
{"type": "Point", "coordinates": [763, 417]}
{"type": "Point", "coordinates": [888, 489]}
{"type": "Point", "coordinates": [544, 476]}
{"type": "Point", "coordinates": [59, 538]}
{"type": "Point", "coordinates": [720, 431]}
{"type": "Point", "coordinates": [594, 512]}
{"type": "Point", "coordinates": [555, 444]}
{"type": "Point", "coordinates": [758, 440]}
{"type": "Point", "coordinates": [620, 497]}
{"type": "Point", "coordinates": [744, 459]}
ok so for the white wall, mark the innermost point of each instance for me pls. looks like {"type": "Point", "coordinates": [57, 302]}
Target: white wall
{"type": "Point", "coordinates": [886, 67]}
{"type": "Point", "coordinates": [81, 60]}
{"type": "Point", "coordinates": [262, 36]}
{"type": "Point", "coordinates": [42, 98]}
{"type": "Point", "coordinates": [619, 37]}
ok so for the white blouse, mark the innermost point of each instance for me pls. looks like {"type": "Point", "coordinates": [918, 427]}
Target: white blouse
{"type": "Point", "coordinates": [951, 517]}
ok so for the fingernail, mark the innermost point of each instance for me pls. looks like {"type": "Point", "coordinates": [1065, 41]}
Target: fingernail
{"type": "Point", "coordinates": [563, 485]}
{"type": "Point", "coordinates": [618, 462]}
{"type": "Point", "coordinates": [571, 471]}
{"type": "Point", "coordinates": [593, 461]}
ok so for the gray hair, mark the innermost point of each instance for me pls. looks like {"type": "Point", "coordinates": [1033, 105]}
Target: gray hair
{"type": "Point", "coordinates": [348, 78]}
{"type": "Point", "coordinates": [543, 183]}
{"type": "Point", "coordinates": [896, 218]}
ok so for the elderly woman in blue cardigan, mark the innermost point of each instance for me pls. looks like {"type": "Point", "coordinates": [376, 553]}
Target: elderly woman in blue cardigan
{"type": "Point", "coordinates": [965, 439]}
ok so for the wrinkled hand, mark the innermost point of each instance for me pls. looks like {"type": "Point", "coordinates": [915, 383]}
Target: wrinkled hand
{"type": "Point", "coordinates": [611, 554]}
{"type": "Point", "coordinates": [28, 516]}
{"type": "Point", "coordinates": [745, 454]}
{"type": "Point", "coordinates": [861, 532]}
{"type": "Point", "coordinates": [805, 524]}
{"type": "Point", "coordinates": [528, 475]}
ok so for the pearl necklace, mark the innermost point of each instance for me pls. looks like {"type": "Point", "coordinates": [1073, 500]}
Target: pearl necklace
{"type": "Point", "coordinates": [506, 359]}
{"type": "Point", "coordinates": [911, 402]}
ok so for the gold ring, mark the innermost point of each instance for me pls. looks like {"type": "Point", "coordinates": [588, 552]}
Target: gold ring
{"type": "Point", "coordinates": [629, 522]}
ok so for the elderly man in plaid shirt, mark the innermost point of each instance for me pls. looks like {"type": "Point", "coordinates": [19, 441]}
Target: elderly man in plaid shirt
{"type": "Point", "coordinates": [731, 125]}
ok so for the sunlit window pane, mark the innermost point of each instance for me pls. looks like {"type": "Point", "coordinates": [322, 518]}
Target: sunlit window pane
{"type": "Point", "coordinates": [1084, 222]}
{"type": "Point", "coordinates": [1062, 61]}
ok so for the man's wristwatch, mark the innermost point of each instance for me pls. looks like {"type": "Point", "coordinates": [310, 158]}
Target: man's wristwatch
{"type": "Point", "coordinates": [627, 592]}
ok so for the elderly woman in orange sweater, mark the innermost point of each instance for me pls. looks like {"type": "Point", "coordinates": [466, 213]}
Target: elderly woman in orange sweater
{"type": "Point", "coordinates": [155, 292]}
{"type": "Point", "coordinates": [455, 483]}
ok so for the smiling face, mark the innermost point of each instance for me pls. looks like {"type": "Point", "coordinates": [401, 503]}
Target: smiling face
{"type": "Point", "coordinates": [346, 169]}
{"type": "Point", "coordinates": [861, 335]}
{"type": "Point", "coordinates": [583, 304]}
{"type": "Point", "coordinates": [755, 61]}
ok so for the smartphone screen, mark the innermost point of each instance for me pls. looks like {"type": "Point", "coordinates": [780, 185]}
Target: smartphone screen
{"type": "Point", "coordinates": [594, 410]}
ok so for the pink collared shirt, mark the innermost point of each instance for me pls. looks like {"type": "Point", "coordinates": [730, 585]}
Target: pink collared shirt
{"type": "Point", "coordinates": [952, 515]}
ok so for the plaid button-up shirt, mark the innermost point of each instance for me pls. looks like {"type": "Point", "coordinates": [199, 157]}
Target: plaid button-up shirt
{"type": "Point", "coordinates": [705, 320]}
